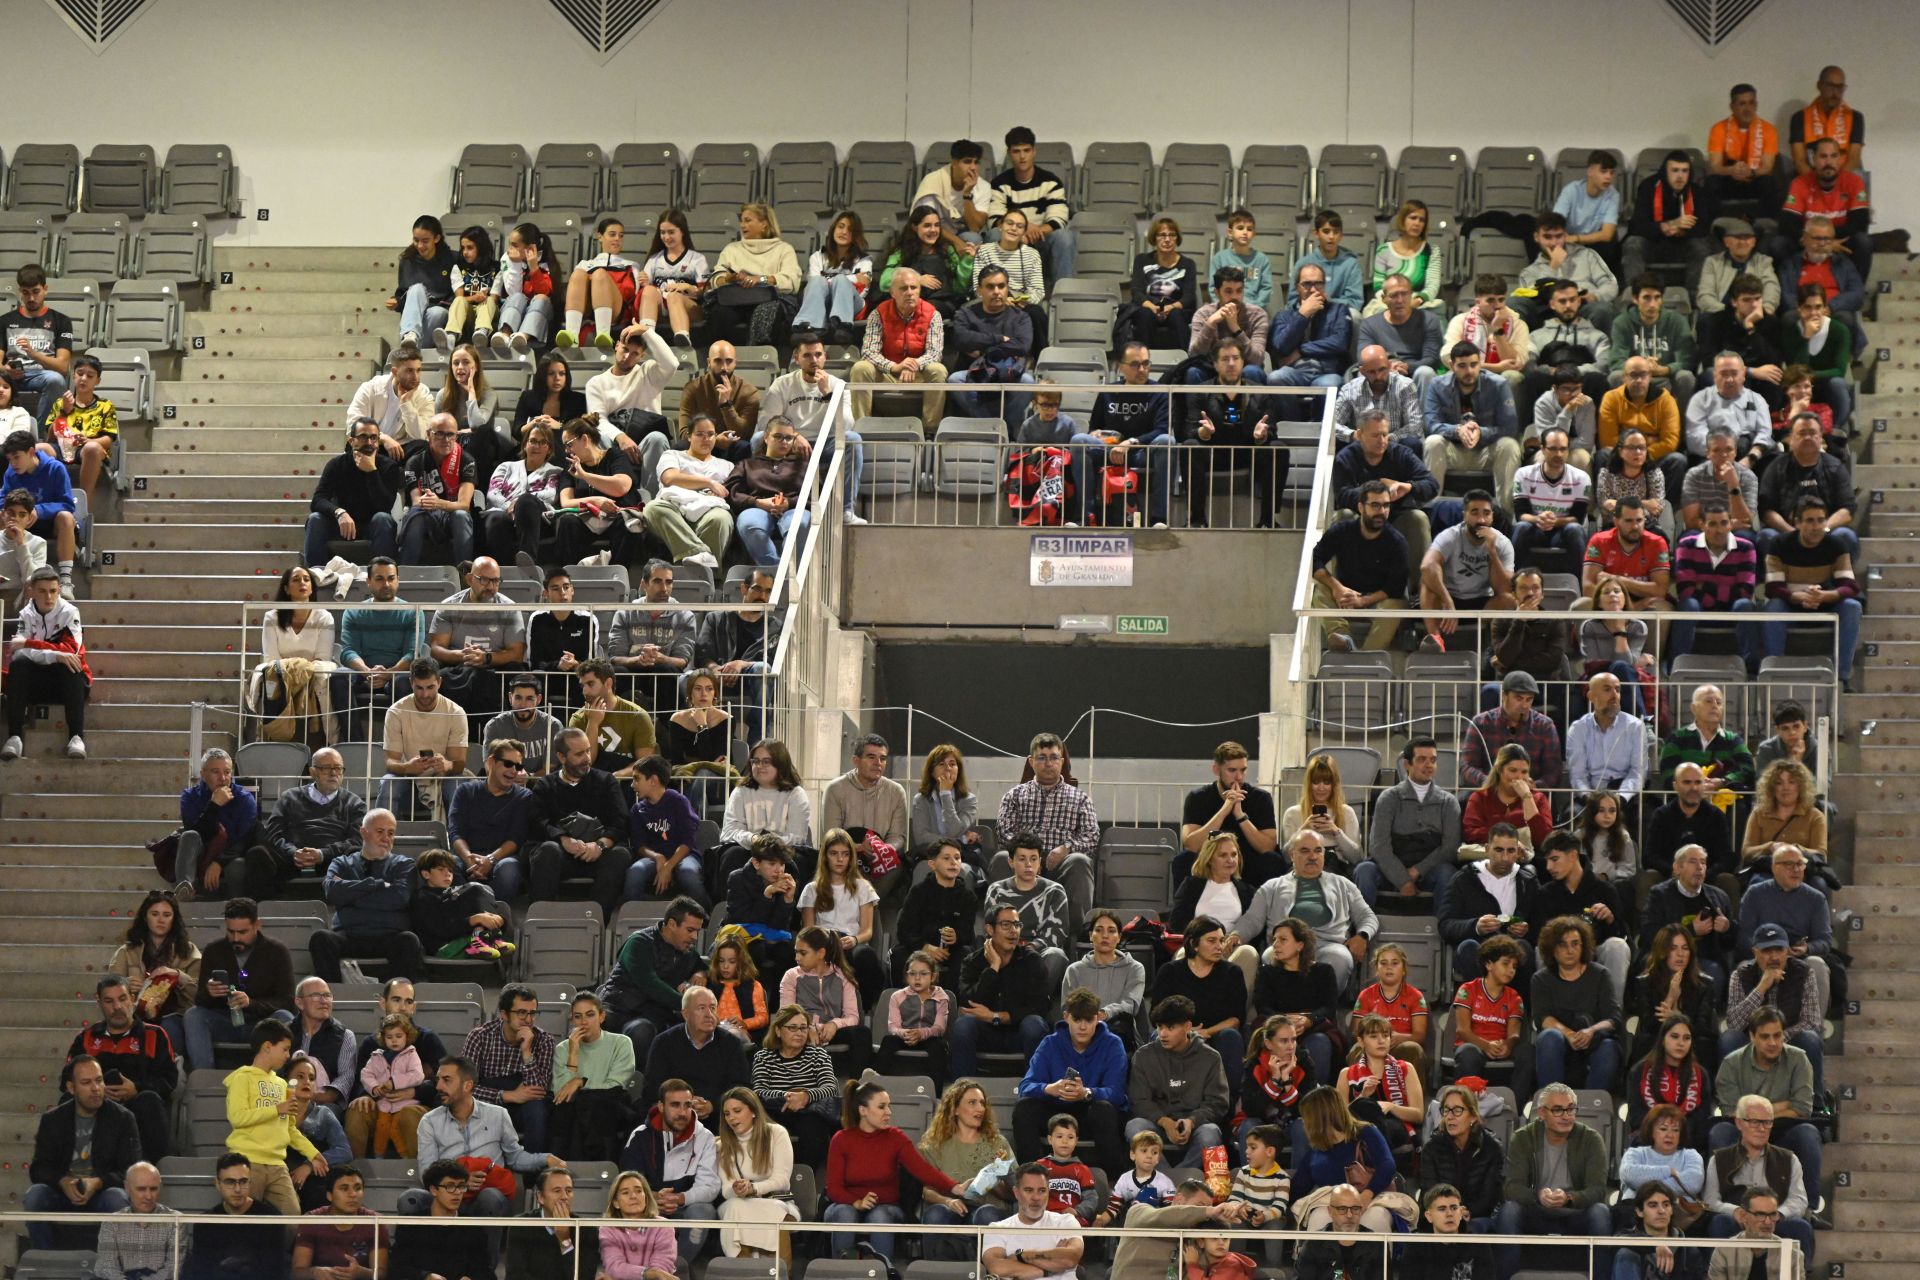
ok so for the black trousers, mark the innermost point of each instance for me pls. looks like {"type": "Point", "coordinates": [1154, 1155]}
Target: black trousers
{"type": "Point", "coordinates": [404, 955]}
{"type": "Point", "coordinates": [551, 864]}
{"type": "Point", "coordinates": [36, 684]}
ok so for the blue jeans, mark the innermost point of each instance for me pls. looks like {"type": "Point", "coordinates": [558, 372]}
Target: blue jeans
{"type": "Point", "coordinates": [1534, 1219]}
{"type": "Point", "coordinates": [1745, 638]}
{"type": "Point", "coordinates": [968, 1035]}
{"type": "Point", "coordinates": [1060, 251]}
{"type": "Point", "coordinates": [1553, 1058]}
{"type": "Point", "coordinates": [1305, 374]}
{"type": "Point", "coordinates": [881, 1213]}
{"type": "Point", "coordinates": [416, 317]}
{"type": "Point", "coordinates": [686, 878]}
{"type": "Point", "coordinates": [1204, 1136]}
{"type": "Point", "coordinates": [450, 529]}
{"type": "Point", "coordinates": [763, 534]}
{"type": "Point", "coordinates": [1089, 464]}
{"type": "Point", "coordinates": [41, 1198]}
{"type": "Point", "coordinates": [1556, 552]}
{"type": "Point", "coordinates": [1850, 613]}
{"type": "Point", "coordinates": [35, 392]}
{"type": "Point", "coordinates": [204, 1027]}
{"type": "Point", "coordinates": [954, 1248]}
{"type": "Point", "coordinates": [396, 793]}
{"type": "Point", "coordinates": [990, 396]}
{"type": "Point", "coordinates": [856, 460]}
{"type": "Point", "coordinates": [383, 533]}
{"type": "Point", "coordinates": [827, 298]}
{"type": "Point", "coordinates": [1370, 880]}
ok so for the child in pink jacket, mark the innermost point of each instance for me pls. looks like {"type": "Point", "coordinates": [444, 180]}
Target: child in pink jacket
{"type": "Point", "coordinates": [394, 1068]}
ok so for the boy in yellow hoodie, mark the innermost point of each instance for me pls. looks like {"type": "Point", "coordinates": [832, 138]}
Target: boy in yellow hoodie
{"type": "Point", "coordinates": [262, 1118]}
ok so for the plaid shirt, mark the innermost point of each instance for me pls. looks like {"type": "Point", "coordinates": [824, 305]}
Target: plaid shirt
{"type": "Point", "coordinates": [140, 1244]}
{"type": "Point", "coordinates": [498, 1065]}
{"type": "Point", "coordinates": [1063, 815]}
{"type": "Point", "coordinates": [1537, 735]}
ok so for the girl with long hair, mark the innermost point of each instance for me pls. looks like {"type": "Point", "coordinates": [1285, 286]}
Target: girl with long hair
{"type": "Point", "coordinates": [842, 901]}
{"type": "Point", "coordinates": [822, 982]}
{"type": "Point", "coordinates": [676, 275]}
{"type": "Point", "coordinates": [756, 1177]}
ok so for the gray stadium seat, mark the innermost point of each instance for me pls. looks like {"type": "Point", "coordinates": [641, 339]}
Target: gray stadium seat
{"type": "Point", "coordinates": [276, 766]}
{"type": "Point", "coordinates": [1492, 252]}
{"type": "Point", "coordinates": [120, 179]}
{"type": "Point", "coordinates": [1057, 156]}
{"type": "Point", "coordinates": [645, 175]}
{"type": "Point", "coordinates": [55, 1264]}
{"type": "Point", "coordinates": [913, 1098]}
{"type": "Point", "coordinates": [801, 173]}
{"type": "Point", "coordinates": [1510, 180]}
{"type": "Point", "coordinates": [93, 247]}
{"type": "Point", "coordinates": [25, 237]}
{"type": "Point", "coordinates": [491, 176]}
{"type": "Point", "coordinates": [560, 941]}
{"type": "Point", "coordinates": [969, 457]}
{"type": "Point", "coordinates": [1117, 176]}
{"type": "Point", "coordinates": [1352, 178]}
{"type": "Point", "coordinates": [1108, 243]}
{"type": "Point", "coordinates": [712, 225]}
{"type": "Point", "coordinates": [1443, 691]}
{"type": "Point", "coordinates": [723, 173]}
{"type": "Point", "coordinates": [144, 314]}
{"type": "Point", "coordinates": [556, 1006]}
{"type": "Point", "coordinates": [1081, 321]}
{"type": "Point", "coordinates": [173, 247]}
{"type": "Point", "coordinates": [894, 448]}
{"type": "Point", "coordinates": [568, 175]}
{"type": "Point", "coordinates": [1437, 175]}
{"type": "Point", "coordinates": [79, 301]}
{"type": "Point", "coordinates": [878, 174]}
{"type": "Point", "coordinates": [745, 1268]}
{"type": "Point", "coordinates": [1275, 178]}
{"type": "Point", "coordinates": [1196, 173]}
{"type": "Point", "coordinates": [126, 378]}
{"type": "Point", "coordinates": [45, 178]}
{"type": "Point", "coordinates": [1350, 692]}
{"type": "Point", "coordinates": [199, 178]}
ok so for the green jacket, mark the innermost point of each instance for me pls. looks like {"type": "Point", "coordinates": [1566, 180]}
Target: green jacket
{"type": "Point", "coordinates": [1586, 1163]}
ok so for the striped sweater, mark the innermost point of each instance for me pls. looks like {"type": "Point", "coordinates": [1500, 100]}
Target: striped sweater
{"type": "Point", "coordinates": [812, 1070]}
{"type": "Point", "coordinates": [1715, 586]}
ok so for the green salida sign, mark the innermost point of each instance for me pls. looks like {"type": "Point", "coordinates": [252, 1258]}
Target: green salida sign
{"type": "Point", "coordinates": [1141, 624]}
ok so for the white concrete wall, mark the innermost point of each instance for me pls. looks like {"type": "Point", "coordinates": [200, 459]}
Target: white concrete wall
{"type": "Point", "coordinates": [346, 116]}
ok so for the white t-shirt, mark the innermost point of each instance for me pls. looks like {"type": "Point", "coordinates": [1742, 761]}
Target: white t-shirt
{"type": "Point", "coordinates": [937, 189]}
{"type": "Point", "coordinates": [694, 502]}
{"type": "Point", "coordinates": [845, 917]}
{"type": "Point", "coordinates": [1222, 902]}
{"type": "Point", "coordinates": [1065, 1223]}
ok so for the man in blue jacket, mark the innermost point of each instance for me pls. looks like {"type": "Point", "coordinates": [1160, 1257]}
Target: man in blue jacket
{"type": "Point", "coordinates": [1471, 423]}
{"type": "Point", "coordinates": [1133, 425]}
{"type": "Point", "coordinates": [1311, 341]}
{"type": "Point", "coordinates": [371, 893]}
{"type": "Point", "coordinates": [1079, 1069]}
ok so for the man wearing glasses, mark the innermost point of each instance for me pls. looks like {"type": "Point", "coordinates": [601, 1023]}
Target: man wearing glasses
{"type": "Point", "coordinates": [1556, 1176]}
{"type": "Point", "coordinates": [509, 1065]}
{"type": "Point", "coordinates": [354, 498]}
{"type": "Point", "coordinates": [1126, 427]}
{"type": "Point", "coordinates": [1311, 339]}
{"type": "Point", "coordinates": [1759, 1216]}
{"type": "Point", "coordinates": [309, 827]}
{"type": "Point", "coordinates": [371, 893]}
{"type": "Point", "coordinates": [1782, 1075]}
{"type": "Point", "coordinates": [475, 647]}
{"type": "Point", "coordinates": [223, 1249]}
{"type": "Point", "coordinates": [467, 1128]}
{"type": "Point", "coordinates": [651, 643]}
{"type": "Point", "coordinates": [488, 820]}
{"type": "Point", "coordinates": [1062, 816]}
{"type": "Point", "coordinates": [440, 495]}
{"type": "Point", "coordinates": [1754, 1165]}
{"type": "Point", "coordinates": [1348, 1256]}
{"type": "Point", "coordinates": [1002, 1002]}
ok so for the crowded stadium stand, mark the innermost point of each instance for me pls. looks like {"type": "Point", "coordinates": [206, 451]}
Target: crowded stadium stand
{"type": "Point", "coordinates": [850, 698]}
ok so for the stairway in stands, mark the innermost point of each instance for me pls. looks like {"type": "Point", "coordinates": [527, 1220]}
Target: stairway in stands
{"type": "Point", "coordinates": [221, 490]}
{"type": "Point", "coordinates": [1877, 1217]}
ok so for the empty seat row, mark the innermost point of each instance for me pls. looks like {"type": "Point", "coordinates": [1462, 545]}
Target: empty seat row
{"type": "Point", "coordinates": [166, 247]}
{"type": "Point", "coordinates": [52, 178]}
{"type": "Point", "coordinates": [140, 314]}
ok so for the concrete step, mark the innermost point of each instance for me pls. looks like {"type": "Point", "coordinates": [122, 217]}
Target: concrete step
{"type": "Point", "coordinates": [62, 959]}
{"type": "Point", "coordinates": [1895, 577]}
{"type": "Point", "coordinates": [86, 858]}
{"type": "Point", "coordinates": [1898, 453]}
{"type": "Point", "coordinates": [284, 390]}
{"type": "Point", "coordinates": [264, 511]}
{"type": "Point", "coordinates": [108, 711]}
{"type": "Point", "coordinates": [112, 638]}
{"type": "Point", "coordinates": [40, 984]}
{"type": "Point", "coordinates": [178, 693]}
{"type": "Point", "coordinates": [174, 744]}
{"type": "Point", "coordinates": [1888, 501]}
{"type": "Point", "coordinates": [1894, 1246]}
{"type": "Point", "coordinates": [1871, 1148]}
{"type": "Point", "coordinates": [276, 466]}
{"type": "Point", "coordinates": [254, 417]}
{"type": "Point", "coordinates": [284, 280]}
{"type": "Point", "coordinates": [224, 486]}
{"type": "Point", "coordinates": [158, 537]}
{"type": "Point", "coordinates": [184, 586]}
{"type": "Point", "coordinates": [1885, 986]}
{"type": "Point", "coordinates": [66, 1014]}
{"type": "Point", "coordinates": [160, 664]}
{"type": "Point", "coordinates": [222, 324]}
{"type": "Point", "coordinates": [1876, 1217]}
{"type": "Point", "coordinates": [99, 931]}
{"type": "Point", "coordinates": [149, 774]}
{"type": "Point", "coordinates": [319, 368]}
{"type": "Point", "coordinates": [338, 346]}
{"type": "Point", "coordinates": [332, 302]}
{"type": "Point", "coordinates": [1882, 552]}
{"type": "Point", "coordinates": [319, 435]}
{"type": "Point", "coordinates": [1896, 706]}
{"type": "Point", "coordinates": [161, 613]}
{"type": "Point", "coordinates": [219, 563]}
{"type": "Point", "coordinates": [1883, 1026]}
{"type": "Point", "coordinates": [128, 833]}
{"type": "Point", "coordinates": [276, 258]}
{"type": "Point", "coordinates": [1888, 736]}
{"type": "Point", "coordinates": [124, 877]}
{"type": "Point", "coordinates": [1888, 956]}
{"type": "Point", "coordinates": [1886, 523]}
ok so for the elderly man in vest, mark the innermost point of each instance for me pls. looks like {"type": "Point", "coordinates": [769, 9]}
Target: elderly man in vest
{"type": "Point", "coordinates": [1753, 1161]}
{"type": "Point", "coordinates": [905, 338]}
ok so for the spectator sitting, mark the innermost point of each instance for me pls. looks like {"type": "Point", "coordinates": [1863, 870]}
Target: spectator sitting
{"type": "Point", "coordinates": [1311, 339]}
{"type": "Point", "coordinates": [457, 921]}
{"type": "Point", "coordinates": [579, 809]}
{"type": "Point", "coordinates": [1550, 496]}
{"type": "Point", "coordinates": [756, 1175]}
{"type": "Point", "coordinates": [1714, 570]}
{"type": "Point", "coordinates": [1743, 157]}
{"type": "Point", "coordinates": [1688, 819]}
{"type": "Point", "coordinates": [1496, 334]}
{"type": "Point", "coordinates": [664, 832]}
{"type": "Point", "coordinates": [652, 972]}
{"type": "Point", "coordinates": [472, 404]}
{"type": "Point", "coordinates": [742, 1007]}
{"type": "Point", "coordinates": [719, 392]}
{"type": "Point", "coordinates": [1556, 1175]}
{"type": "Point", "coordinates": [821, 982]}
{"type": "Point", "coordinates": [1524, 641]}
{"type": "Point", "coordinates": [1409, 334]}
{"type": "Point", "coordinates": [216, 818]}
{"type": "Point", "coordinates": [370, 892]}
{"type": "Point", "coordinates": [1467, 569]}
{"type": "Point", "coordinates": [324, 1040]}
{"type": "Point", "coordinates": [425, 1251]}
{"type": "Point", "coordinates": [650, 645]}
{"type": "Point", "coordinates": [47, 663]}
{"type": "Point", "coordinates": [491, 643]}
{"type": "Point", "coordinates": [395, 402]}
{"type": "Point", "coordinates": [249, 1248]}
{"type": "Point", "coordinates": [622, 731]}
{"type": "Point", "coordinates": [957, 193]}
{"type": "Point", "coordinates": [1293, 984]}
{"type": "Point", "coordinates": [904, 339]}
{"type": "Point", "coordinates": [551, 400]}
{"type": "Point", "coordinates": [1565, 338]}
{"type": "Point", "coordinates": [1045, 919]}
{"type": "Point", "coordinates": [390, 1077]}
{"type": "Point", "coordinates": [768, 801]}
{"type": "Point", "coordinates": [761, 897]}
{"type": "Point", "coordinates": [1381, 387]}
{"type": "Point", "coordinates": [1002, 997]}
{"type": "Point", "coordinates": [1829, 186]}
{"type": "Point", "coordinates": [1823, 260]}
{"type": "Point", "coordinates": [961, 1141]}
{"type": "Point", "coordinates": [138, 1053]}
{"type": "Point", "coordinates": [1239, 254]}
{"type": "Point", "coordinates": [1381, 1089]}
{"type": "Point", "coordinates": [1165, 289]}
{"type": "Point", "coordinates": [1414, 836]}
{"type": "Point", "coordinates": [1116, 978]}
{"type": "Point", "coordinates": [1786, 899]}
{"type": "Point", "coordinates": [1178, 1084]}
{"type": "Point", "coordinates": [1822, 354]}
{"type": "Point", "coordinates": [1629, 553]}
{"type": "Point", "coordinates": [1664, 340]}
{"type": "Point", "coordinates": [511, 1065]}
{"type": "Point", "coordinates": [691, 514]}
{"type": "Point", "coordinates": [425, 740]}
{"type": "Point", "coordinates": [1557, 264]}
{"type": "Point", "coordinates": [1616, 644]}
{"type": "Point", "coordinates": [1576, 1014]}
{"type": "Point", "coordinates": [483, 1132]}
{"type": "Point", "coordinates": [1604, 837]}
{"type": "Point", "coordinates": [994, 337]}
{"type": "Point", "coordinates": [794, 1076]}
{"type": "Point", "coordinates": [1811, 571]}
{"type": "Point", "coordinates": [1231, 805]}
{"type": "Point", "coordinates": [488, 820]}
{"type": "Point", "coordinates": [1758, 1213]}
{"type": "Point", "coordinates": [1721, 479]}
{"type": "Point", "coordinates": [1055, 1251]}
{"type": "Point", "coordinates": [1124, 420]}
{"type": "Point", "coordinates": [937, 917]}
{"type": "Point", "coordinates": [1148, 1257]}
{"type": "Point", "coordinates": [160, 964]}
{"type": "Point", "coordinates": [1571, 889]}
{"type": "Point", "coordinates": [1026, 277]}
{"type": "Point", "coordinates": [1672, 215]}
{"type": "Point", "coordinates": [625, 397]}
{"type": "Point", "coordinates": [1375, 455]}
{"type": "Point", "coordinates": [1741, 258]}
{"type": "Point", "coordinates": [355, 494]}
{"type": "Point", "coordinates": [1669, 1079]}
{"type": "Point", "coordinates": [1782, 1074]}
{"type": "Point", "coordinates": [607, 284]}
{"type": "Point", "coordinates": [1785, 811]}
{"type": "Point", "coordinates": [1752, 1163]}
{"type": "Point", "coordinates": [39, 342]}
{"type": "Point", "coordinates": [764, 492]}
{"type": "Point", "coordinates": [1755, 353]}
{"type": "Point", "coordinates": [864, 1164]}
{"type": "Point", "coordinates": [264, 984]}
{"type": "Point", "coordinates": [1806, 470]}
{"type": "Point", "coordinates": [1599, 759]}
{"type": "Point", "coordinates": [838, 274]}
{"type": "Point", "coordinates": [1491, 897]}
{"type": "Point", "coordinates": [21, 549]}
{"type": "Point", "coordinates": [376, 646]}
{"type": "Point", "coordinates": [1328, 1142]}
{"type": "Point", "coordinates": [560, 639]}
{"type": "Point", "coordinates": [1508, 795]}
{"type": "Point", "coordinates": [1720, 752]}
{"type": "Point", "coordinates": [1079, 1070]}
{"type": "Point", "coordinates": [1398, 1001]}
{"type": "Point", "coordinates": [318, 1123]}
{"type": "Point", "coordinates": [1470, 421]}
{"type": "Point", "coordinates": [1465, 1159]}
{"type": "Point", "coordinates": [1323, 810]}
{"type": "Point", "coordinates": [591, 1078]}
{"type": "Point", "coordinates": [1340, 268]}
{"type": "Point", "coordinates": [523, 284]}
{"type": "Point", "coordinates": [1411, 256]}
{"type": "Point", "coordinates": [1654, 1208]}
{"type": "Point", "coordinates": [1789, 984]}
{"type": "Point", "coordinates": [1230, 316]}
{"type": "Point", "coordinates": [1214, 971]}
{"type": "Point", "coordinates": [555, 1252]}
{"type": "Point", "coordinates": [1042, 197]}
{"type": "Point", "coordinates": [1346, 933]}
{"type": "Point", "coordinates": [365, 1111]}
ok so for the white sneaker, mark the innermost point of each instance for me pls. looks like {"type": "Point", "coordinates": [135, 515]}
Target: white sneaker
{"type": "Point", "coordinates": [409, 339]}
{"type": "Point", "coordinates": [1069, 524]}
{"type": "Point", "coordinates": [1159, 524]}
{"type": "Point", "coordinates": [520, 343]}
{"type": "Point", "coordinates": [76, 748]}
{"type": "Point", "coordinates": [482, 339]}
{"type": "Point", "coordinates": [598, 557]}
{"type": "Point", "coordinates": [705, 559]}
{"type": "Point", "coordinates": [443, 340]}
{"type": "Point", "coordinates": [12, 749]}
{"type": "Point", "coordinates": [853, 517]}
{"type": "Point", "coordinates": [500, 343]}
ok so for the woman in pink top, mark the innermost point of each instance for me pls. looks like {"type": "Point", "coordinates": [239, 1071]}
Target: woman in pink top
{"type": "Point", "coordinates": [822, 982]}
{"type": "Point", "coordinates": [639, 1252]}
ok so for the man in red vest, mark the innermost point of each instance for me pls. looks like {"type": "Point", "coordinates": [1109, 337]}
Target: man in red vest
{"type": "Point", "coordinates": [905, 338]}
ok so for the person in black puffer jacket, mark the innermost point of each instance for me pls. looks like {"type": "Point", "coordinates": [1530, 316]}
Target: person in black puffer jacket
{"type": "Point", "coordinates": [1463, 1154]}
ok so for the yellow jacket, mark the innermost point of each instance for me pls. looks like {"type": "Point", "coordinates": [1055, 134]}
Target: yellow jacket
{"type": "Point", "coordinates": [260, 1132]}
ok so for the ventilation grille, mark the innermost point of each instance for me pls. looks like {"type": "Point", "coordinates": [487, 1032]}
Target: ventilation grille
{"type": "Point", "coordinates": [1714, 21]}
{"type": "Point", "coordinates": [605, 24]}
{"type": "Point", "coordinates": [98, 21]}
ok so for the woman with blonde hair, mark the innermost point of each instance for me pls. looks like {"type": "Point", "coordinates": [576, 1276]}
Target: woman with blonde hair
{"type": "Point", "coordinates": [1462, 1154]}
{"type": "Point", "coordinates": [1508, 796]}
{"type": "Point", "coordinates": [1332, 1146]}
{"type": "Point", "coordinates": [756, 283]}
{"type": "Point", "coordinates": [1408, 254]}
{"type": "Point", "coordinates": [962, 1139]}
{"type": "Point", "coordinates": [1784, 812]}
{"type": "Point", "coordinates": [841, 900]}
{"type": "Point", "coordinates": [522, 496]}
{"type": "Point", "coordinates": [1324, 810]}
{"type": "Point", "coordinates": [756, 1176]}
{"type": "Point", "coordinates": [638, 1252]}
{"type": "Point", "coordinates": [1214, 888]}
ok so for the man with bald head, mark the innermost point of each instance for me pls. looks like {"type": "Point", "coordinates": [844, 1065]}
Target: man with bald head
{"type": "Point", "coordinates": [371, 893]}
{"type": "Point", "coordinates": [475, 647]}
{"type": "Point", "coordinates": [723, 395]}
{"type": "Point", "coordinates": [1380, 385]}
{"type": "Point", "coordinates": [130, 1248]}
{"type": "Point", "coordinates": [904, 339]}
{"type": "Point", "coordinates": [309, 827]}
{"type": "Point", "coordinates": [1606, 748]}
{"type": "Point", "coordinates": [439, 481]}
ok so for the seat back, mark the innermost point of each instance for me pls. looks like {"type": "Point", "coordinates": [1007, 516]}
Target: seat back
{"type": "Point", "coordinates": [969, 457]}
{"type": "Point", "coordinates": [1443, 690]}
{"type": "Point", "coordinates": [93, 247]}
{"type": "Point", "coordinates": [276, 765]}
{"type": "Point", "coordinates": [1081, 322]}
{"type": "Point", "coordinates": [145, 314]}
{"type": "Point", "coordinates": [1437, 175]}
{"type": "Point", "coordinates": [126, 378]}
{"type": "Point", "coordinates": [561, 941]}
{"type": "Point", "coordinates": [45, 178]}
{"type": "Point", "coordinates": [1108, 243]}
{"type": "Point", "coordinates": [1196, 173]}
{"type": "Point", "coordinates": [199, 178]}
{"type": "Point", "coordinates": [568, 175]}
{"type": "Point", "coordinates": [1491, 252]}
{"type": "Point", "coordinates": [644, 175]}
{"type": "Point", "coordinates": [895, 456]}
{"type": "Point", "coordinates": [173, 247]}
{"type": "Point", "coordinates": [723, 173]}
{"type": "Point", "coordinates": [878, 174]}
{"type": "Point", "coordinates": [1117, 176]}
{"type": "Point", "coordinates": [914, 1099]}
{"type": "Point", "coordinates": [1352, 178]}
{"type": "Point", "coordinates": [120, 179]}
{"type": "Point", "coordinates": [491, 176]}
{"type": "Point", "coordinates": [1275, 178]}
{"type": "Point", "coordinates": [1510, 180]}
{"type": "Point", "coordinates": [25, 237]}
{"type": "Point", "coordinates": [803, 174]}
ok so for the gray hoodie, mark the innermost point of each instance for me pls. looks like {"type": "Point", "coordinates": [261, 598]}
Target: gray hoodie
{"type": "Point", "coordinates": [1121, 986]}
{"type": "Point", "coordinates": [1405, 829]}
{"type": "Point", "coordinates": [1191, 1084]}
{"type": "Point", "coordinates": [1583, 266]}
